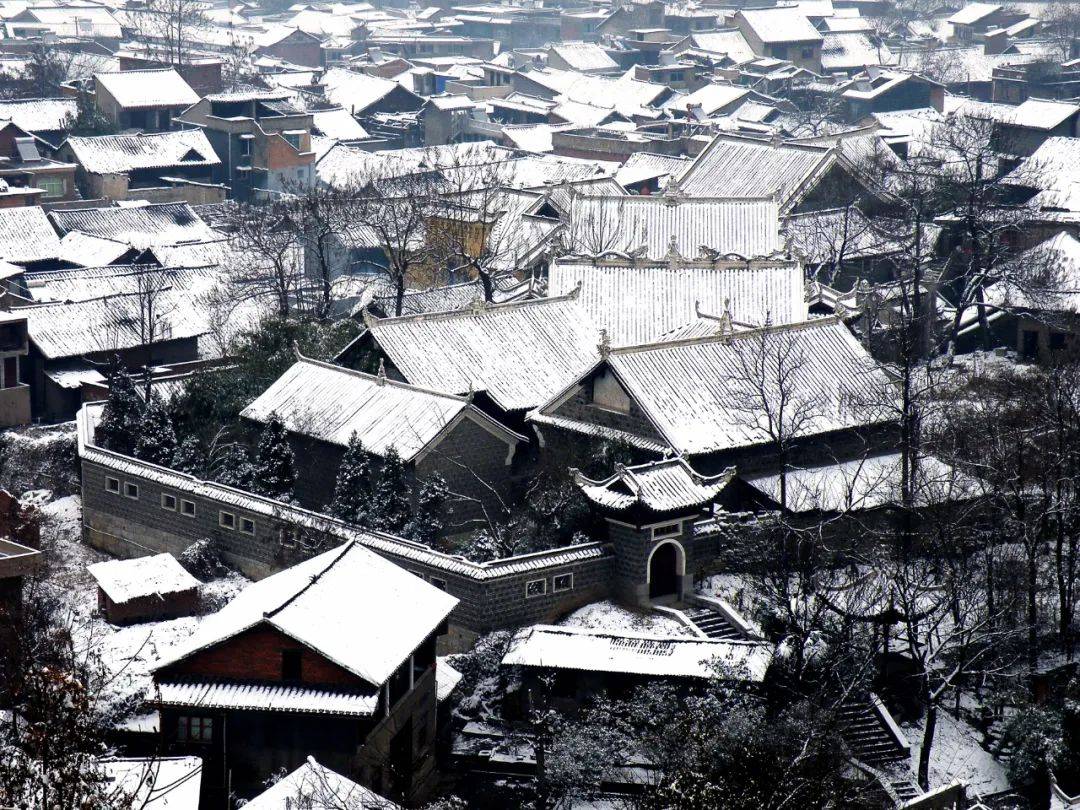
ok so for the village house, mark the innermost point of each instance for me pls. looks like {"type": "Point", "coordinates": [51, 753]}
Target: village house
{"type": "Point", "coordinates": [28, 240]}
{"type": "Point", "coordinates": [45, 118]}
{"type": "Point", "coordinates": [144, 589]}
{"type": "Point", "coordinates": [323, 405]}
{"type": "Point", "coordinates": [781, 34]}
{"type": "Point", "coordinates": [176, 166]}
{"type": "Point", "coordinates": [144, 100]}
{"type": "Point", "coordinates": [23, 167]}
{"type": "Point", "coordinates": [973, 21]}
{"type": "Point", "coordinates": [263, 141]}
{"type": "Point", "coordinates": [308, 662]}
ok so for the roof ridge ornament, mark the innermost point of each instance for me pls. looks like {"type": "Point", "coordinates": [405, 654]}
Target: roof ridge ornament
{"type": "Point", "coordinates": [382, 371]}
{"type": "Point", "coordinates": [726, 329]}
{"type": "Point", "coordinates": [605, 344]}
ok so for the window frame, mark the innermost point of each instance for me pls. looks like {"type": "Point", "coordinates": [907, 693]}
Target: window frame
{"type": "Point", "coordinates": [128, 487]}
{"type": "Point", "coordinates": [183, 508]}
{"type": "Point", "coordinates": [660, 530]}
{"type": "Point", "coordinates": [243, 530]}
{"type": "Point", "coordinates": [221, 520]}
{"type": "Point", "coordinates": [531, 582]}
{"type": "Point", "coordinates": [187, 722]}
{"type": "Point", "coordinates": [109, 481]}
{"type": "Point", "coordinates": [555, 582]}
{"type": "Point", "coordinates": [175, 502]}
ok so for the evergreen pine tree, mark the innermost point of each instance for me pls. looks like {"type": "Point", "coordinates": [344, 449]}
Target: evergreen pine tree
{"type": "Point", "coordinates": [189, 457]}
{"type": "Point", "coordinates": [429, 519]}
{"type": "Point", "coordinates": [275, 467]}
{"type": "Point", "coordinates": [121, 416]}
{"type": "Point", "coordinates": [156, 440]}
{"type": "Point", "coordinates": [233, 468]}
{"type": "Point", "coordinates": [352, 489]}
{"type": "Point", "coordinates": [390, 502]}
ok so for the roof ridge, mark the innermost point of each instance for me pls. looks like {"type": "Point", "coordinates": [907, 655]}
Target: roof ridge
{"type": "Point", "coordinates": [311, 581]}
{"type": "Point", "coordinates": [379, 380]}
{"type": "Point", "coordinates": [728, 338]}
{"type": "Point", "coordinates": [469, 311]}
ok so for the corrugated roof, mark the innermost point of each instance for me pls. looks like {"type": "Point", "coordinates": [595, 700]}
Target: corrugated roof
{"type": "Point", "coordinates": [135, 89]}
{"type": "Point", "coordinates": [638, 302]}
{"type": "Point", "coordinates": [353, 91]}
{"type": "Point", "coordinates": [662, 486]}
{"type": "Point", "coordinates": [141, 226]}
{"type": "Point", "coordinates": [337, 123]}
{"type": "Point", "coordinates": [519, 353]}
{"type": "Point", "coordinates": [116, 154]}
{"type": "Point", "coordinates": [584, 56]}
{"type": "Point", "coordinates": [255, 697]}
{"type": "Point", "coordinates": [335, 603]}
{"type": "Point", "coordinates": [26, 235]}
{"type": "Point", "coordinates": [39, 114]}
{"type": "Point", "coordinates": [670, 224]}
{"type": "Point", "coordinates": [80, 248]}
{"type": "Point", "coordinates": [733, 166]}
{"type": "Point", "coordinates": [331, 403]}
{"type": "Point", "coordinates": [577, 648]}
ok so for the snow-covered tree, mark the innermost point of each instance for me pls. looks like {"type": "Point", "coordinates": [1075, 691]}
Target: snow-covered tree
{"type": "Point", "coordinates": [121, 415]}
{"type": "Point", "coordinates": [233, 467]}
{"type": "Point", "coordinates": [275, 465]}
{"type": "Point", "coordinates": [189, 456]}
{"type": "Point", "coordinates": [390, 504]}
{"type": "Point", "coordinates": [156, 441]}
{"type": "Point", "coordinates": [352, 489]}
{"type": "Point", "coordinates": [429, 517]}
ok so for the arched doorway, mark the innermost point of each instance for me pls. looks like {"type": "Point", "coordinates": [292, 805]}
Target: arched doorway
{"type": "Point", "coordinates": [665, 564]}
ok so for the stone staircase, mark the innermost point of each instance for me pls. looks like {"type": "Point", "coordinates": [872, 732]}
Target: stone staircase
{"type": "Point", "coordinates": [867, 735]}
{"type": "Point", "coordinates": [713, 623]}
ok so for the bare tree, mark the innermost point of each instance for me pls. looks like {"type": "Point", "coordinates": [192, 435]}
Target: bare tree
{"type": "Point", "coordinates": [266, 240]}
{"type": "Point", "coordinates": [169, 30]}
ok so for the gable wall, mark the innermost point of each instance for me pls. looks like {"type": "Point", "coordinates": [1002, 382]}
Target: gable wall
{"type": "Point", "coordinates": [580, 408]}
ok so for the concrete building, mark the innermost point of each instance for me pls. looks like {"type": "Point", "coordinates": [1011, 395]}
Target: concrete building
{"type": "Point", "coordinates": [146, 100]}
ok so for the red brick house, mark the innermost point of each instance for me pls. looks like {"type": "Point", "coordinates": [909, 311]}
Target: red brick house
{"type": "Point", "coordinates": [332, 658]}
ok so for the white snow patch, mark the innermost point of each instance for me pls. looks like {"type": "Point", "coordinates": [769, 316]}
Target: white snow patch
{"type": "Point", "coordinates": [956, 754]}
{"type": "Point", "coordinates": [614, 618]}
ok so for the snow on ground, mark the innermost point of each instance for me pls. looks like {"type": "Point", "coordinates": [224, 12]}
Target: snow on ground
{"type": "Point", "coordinates": [607, 615]}
{"type": "Point", "coordinates": [126, 652]}
{"type": "Point", "coordinates": [956, 754]}
{"type": "Point", "coordinates": [736, 590]}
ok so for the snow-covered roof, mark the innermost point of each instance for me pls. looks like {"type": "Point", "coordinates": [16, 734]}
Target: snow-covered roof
{"type": "Point", "coordinates": [26, 235]}
{"type": "Point", "coordinates": [114, 154]}
{"type": "Point", "coordinates": [336, 604]}
{"type": "Point", "coordinates": [158, 783]}
{"type": "Point", "coordinates": [973, 12]}
{"type": "Point", "coordinates": [519, 353]}
{"type": "Point", "coordinates": [353, 91]}
{"type": "Point", "coordinates": [556, 647]}
{"type": "Point", "coordinates": [1042, 113]}
{"type": "Point", "coordinates": [330, 403]}
{"type": "Point", "coordinates": [146, 89]}
{"type": "Point", "coordinates": [649, 166]}
{"type": "Point", "coordinates": [141, 226]}
{"type": "Point", "coordinates": [584, 56]}
{"type": "Point", "coordinates": [865, 483]}
{"type": "Point", "coordinates": [315, 787]}
{"type": "Point", "coordinates": [735, 166]}
{"type": "Point", "coordinates": [780, 25]}
{"type": "Point", "coordinates": [849, 50]}
{"type": "Point", "coordinates": [80, 248]}
{"type": "Point", "coordinates": [38, 114]}
{"type": "Point", "coordinates": [446, 679]}
{"type": "Point", "coordinates": [662, 486]}
{"type": "Point", "coordinates": [709, 97]}
{"type": "Point", "coordinates": [264, 697]}
{"type": "Point", "coordinates": [127, 580]}
{"type": "Point", "coordinates": [666, 225]}
{"type": "Point", "coordinates": [726, 42]}
{"type": "Point", "coordinates": [624, 94]}
{"type": "Point", "coordinates": [638, 301]}
{"type": "Point", "coordinates": [699, 394]}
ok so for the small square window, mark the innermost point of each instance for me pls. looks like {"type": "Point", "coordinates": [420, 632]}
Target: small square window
{"type": "Point", "coordinates": [195, 729]}
{"type": "Point", "coordinates": [438, 583]}
{"type": "Point", "coordinates": [112, 485]}
{"type": "Point", "coordinates": [131, 491]}
{"type": "Point", "coordinates": [667, 529]}
{"type": "Point", "coordinates": [227, 520]}
{"type": "Point", "coordinates": [187, 508]}
{"type": "Point", "coordinates": [247, 526]}
{"type": "Point", "coordinates": [562, 582]}
{"type": "Point", "coordinates": [168, 501]}
{"type": "Point", "coordinates": [535, 587]}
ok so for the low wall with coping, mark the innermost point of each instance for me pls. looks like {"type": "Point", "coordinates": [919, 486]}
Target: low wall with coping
{"type": "Point", "coordinates": [132, 508]}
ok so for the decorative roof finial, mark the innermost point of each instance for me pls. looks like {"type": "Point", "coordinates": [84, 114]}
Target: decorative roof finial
{"type": "Point", "coordinates": [382, 371]}
{"type": "Point", "coordinates": [605, 344]}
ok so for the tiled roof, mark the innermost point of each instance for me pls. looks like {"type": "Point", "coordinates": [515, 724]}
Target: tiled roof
{"type": "Point", "coordinates": [584, 56]}
{"type": "Point", "coordinates": [664, 225]}
{"type": "Point", "coordinates": [139, 225]}
{"type": "Point", "coordinates": [662, 486]}
{"type": "Point", "coordinates": [519, 354]}
{"type": "Point", "coordinates": [780, 25]}
{"type": "Point", "coordinates": [330, 403]}
{"type": "Point", "coordinates": [116, 154]}
{"type": "Point", "coordinates": [26, 235]}
{"type": "Point", "coordinates": [638, 302]}
{"type": "Point", "coordinates": [256, 697]}
{"type": "Point", "coordinates": [142, 89]}
{"type": "Point", "coordinates": [38, 114]}
{"type": "Point", "coordinates": [155, 575]}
